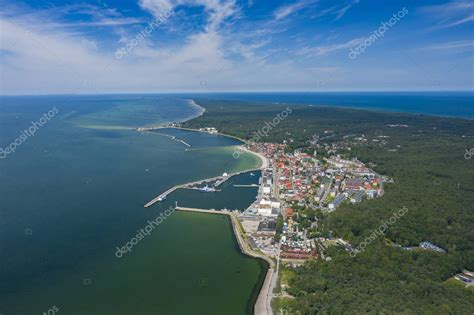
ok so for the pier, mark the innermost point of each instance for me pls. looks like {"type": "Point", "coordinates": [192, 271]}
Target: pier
{"type": "Point", "coordinates": [161, 197]}
{"type": "Point", "coordinates": [201, 210]}
{"type": "Point", "coordinates": [218, 179]}
{"type": "Point", "coordinates": [200, 189]}
{"type": "Point", "coordinates": [251, 185]}
{"type": "Point", "coordinates": [163, 134]}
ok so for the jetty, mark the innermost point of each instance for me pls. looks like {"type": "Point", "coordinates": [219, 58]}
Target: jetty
{"type": "Point", "coordinates": [146, 129]}
{"type": "Point", "coordinates": [200, 189]}
{"type": "Point", "coordinates": [251, 185]}
{"type": "Point", "coordinates": [219, 180]}
{"type": "Point", "coordinates": [189, 129]}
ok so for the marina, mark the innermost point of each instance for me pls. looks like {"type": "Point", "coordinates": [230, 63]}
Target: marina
{"type": "Point", "coordinates": [263, 302]}
{"type": "Point", "coordinates": [218, 180]}
{"type": "Point", "coordinates": [251, 185]}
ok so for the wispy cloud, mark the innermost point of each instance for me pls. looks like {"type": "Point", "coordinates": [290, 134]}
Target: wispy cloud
{"type": "Point", "coordinates": [286, 10]}
{"type": "Point", "coordinates": [450, 14]}
{"type": "Point", "coordinates": [337, 10]}
{"type": "Point", "coordinates": [85, 15]}
{"type": "Point", "coordinates": [454, 45]}
{"type": "Point", "coordinates": [217, 11]}
{"type": "Point", "coordinates": [40, 60]}
{"type": "Point", "coordinates": [223, 42]}
{"type": "Point", "coordinates": [342, 11]}
{"type": "Point", "coordinates": [326, 49]}
{"type": "Point", "coordinates": [104, 22]}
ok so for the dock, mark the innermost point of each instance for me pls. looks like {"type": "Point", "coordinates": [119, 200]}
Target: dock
{"type": "Point", "coordinates": [251, 185]}
{"type": "Point", "coordinates": [161, 197]}
{"type": "Point", "coordinates": [201, 210]}
{"type": "Point", "coordinates": [200, 189]}
{"type": "Point", "coordinates": [218, 179]}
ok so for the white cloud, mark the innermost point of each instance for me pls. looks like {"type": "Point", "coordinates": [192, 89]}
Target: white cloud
{"type": "Point", "coordinates": [105, 22]}
{"type": "Point", "coordinates": [450, 14]}
{"type": "Point", "coordinates": [218, 10]}
{"type": "Point", "coordinates": [41, 55]}
{"type": "Point", "coordinates": [47, 60]}
{"type": "Point", "coordinates": [286, 10]}
{"type": "Point", "coordinates": [326, 49]}
{"type": "Point", "coordinates": [454, 45]}
{"type": "Point", "coordinates": [337, 10]}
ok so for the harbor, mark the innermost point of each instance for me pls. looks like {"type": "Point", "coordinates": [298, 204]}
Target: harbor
{"type": "Point", "coordinates": [263, 302]}
{"type": "Point", "coordinates": [218, 180]}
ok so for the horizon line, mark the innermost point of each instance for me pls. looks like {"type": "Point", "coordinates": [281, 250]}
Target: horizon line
{"type": "Point", "coordinates": [244, 92]}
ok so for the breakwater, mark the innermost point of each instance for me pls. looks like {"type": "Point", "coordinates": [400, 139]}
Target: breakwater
{"type": "Point", "coordinates": [219, 180]}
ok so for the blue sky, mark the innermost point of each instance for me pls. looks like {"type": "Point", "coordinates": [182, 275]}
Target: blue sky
{"type": "Point", "coordinates": [105, 46]}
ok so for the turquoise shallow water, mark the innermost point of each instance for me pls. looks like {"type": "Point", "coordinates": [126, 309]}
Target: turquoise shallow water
{"type": "Point", "coordinates": [70, 195]}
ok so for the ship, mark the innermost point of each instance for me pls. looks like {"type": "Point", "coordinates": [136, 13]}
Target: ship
{"type": "Point", "coordinates": [252, 174]}
{"type": "Point", "coordinates": [207, 189]}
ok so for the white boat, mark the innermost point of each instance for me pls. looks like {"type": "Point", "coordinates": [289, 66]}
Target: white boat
{"type": "Point", "coordinates": [207, 189]}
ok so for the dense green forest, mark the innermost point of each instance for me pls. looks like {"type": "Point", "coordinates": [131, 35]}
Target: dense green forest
{"type": "Point", "coordinates": [425, 157]}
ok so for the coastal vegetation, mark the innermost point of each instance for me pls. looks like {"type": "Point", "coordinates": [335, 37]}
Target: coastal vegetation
{"type": "Point", "coordinates": [431, 177]}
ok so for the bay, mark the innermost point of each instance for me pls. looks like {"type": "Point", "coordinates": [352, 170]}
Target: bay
{"type": "Point", "coordinates": [75, 191]}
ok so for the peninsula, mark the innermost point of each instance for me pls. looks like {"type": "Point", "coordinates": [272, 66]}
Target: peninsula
{"type": "Point", "coordinates": [343, 187]}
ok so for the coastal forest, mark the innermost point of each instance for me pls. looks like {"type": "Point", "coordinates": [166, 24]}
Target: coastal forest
{"type": "Point", "coordinates": [433, 177]}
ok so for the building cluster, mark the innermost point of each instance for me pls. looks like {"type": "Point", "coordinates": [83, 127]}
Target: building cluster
{"type": "Point", "coordinates": [295, 244]}
{"type": "Point", "coordinates": [303, 180]}
{"type": "Point", "coordinates": [325, 183]}
{"type": "Point", "coordinates": [423, 245]}
{"type": "Point", "coordinates": [466, 276]}
{"type": "Point", "coordinates": [211, 130]}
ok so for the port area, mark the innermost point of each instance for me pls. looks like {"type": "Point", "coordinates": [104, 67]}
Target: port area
{"type": "Point", "coordinates": [211, 185]}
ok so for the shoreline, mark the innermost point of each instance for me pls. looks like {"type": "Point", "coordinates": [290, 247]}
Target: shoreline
{"type": "Point", "coordinates": [241, 147]}
{"type": "Point", "coordinates": [261, 303]}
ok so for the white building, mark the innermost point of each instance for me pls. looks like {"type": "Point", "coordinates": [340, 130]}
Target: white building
{"type": "Point", "coordinates": [266, 190]}
{"type": "Point", "coordinates": [268, 208]}
{"type": "Point", "coordinates": [265, 207]}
